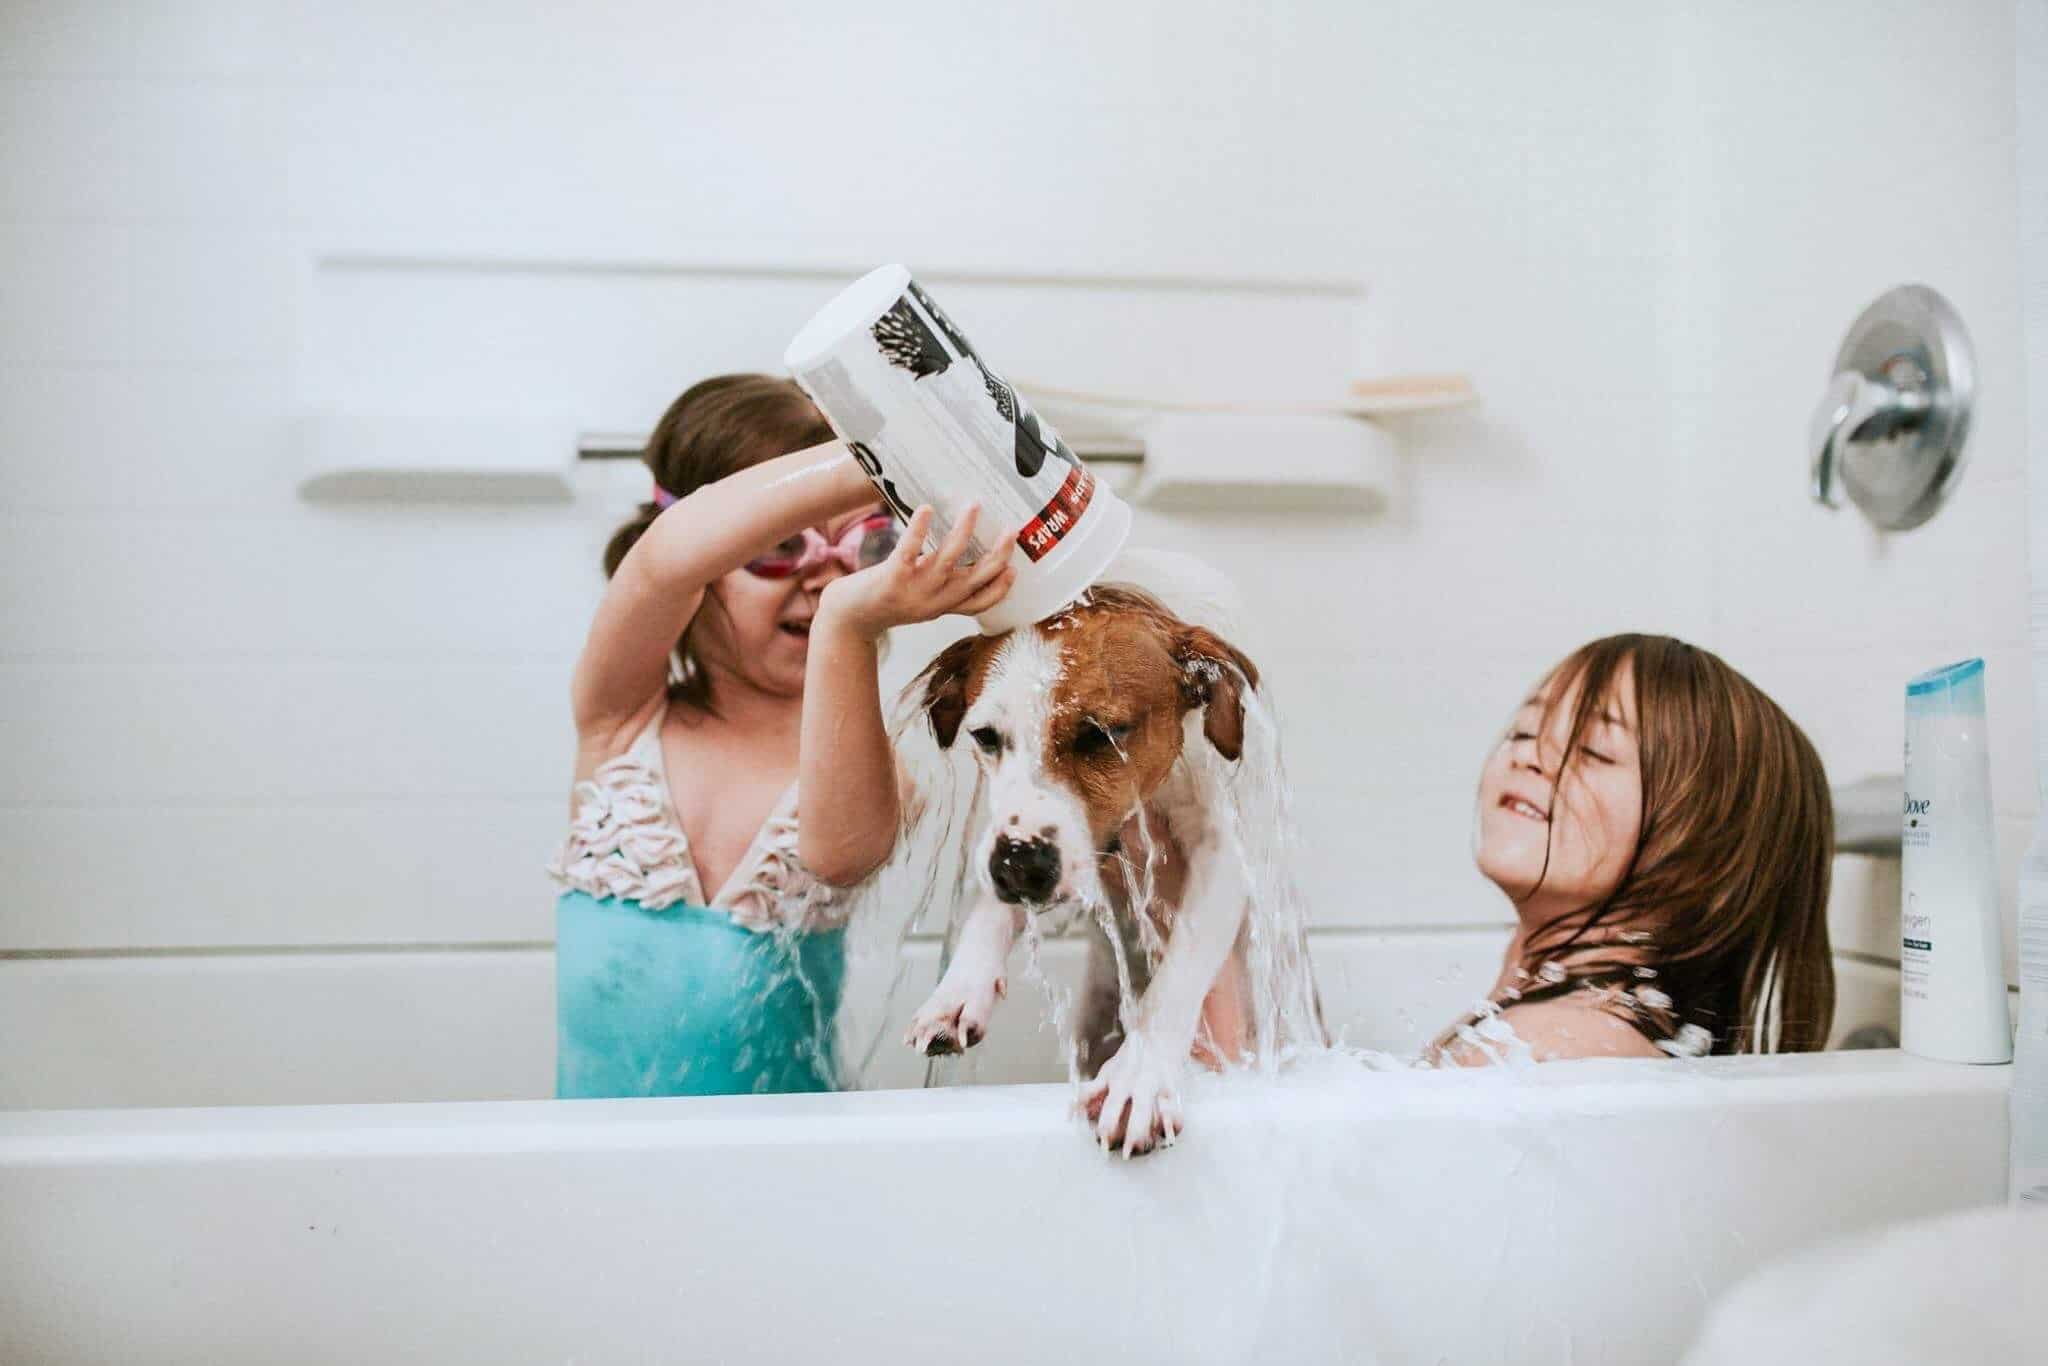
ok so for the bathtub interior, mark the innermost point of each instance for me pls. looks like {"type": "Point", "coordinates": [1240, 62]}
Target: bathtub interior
{"type": "Point", "coordinates": [478, 1023]}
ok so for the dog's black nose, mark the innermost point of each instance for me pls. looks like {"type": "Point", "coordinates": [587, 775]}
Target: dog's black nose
{"type": "Point", "coordinates": [1024, 870]}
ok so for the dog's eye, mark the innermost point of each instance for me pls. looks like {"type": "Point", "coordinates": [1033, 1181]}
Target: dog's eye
{"type": "Point", "coordinates": [1096, 738]}
{"type": "Point", "coordinates": [989, 738]}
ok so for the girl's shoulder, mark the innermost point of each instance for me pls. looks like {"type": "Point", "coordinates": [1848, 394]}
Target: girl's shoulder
{"type": "Point", "coordinates": [599, 744]}
{"type": "Point", "coordinates": [1582, 1021]}
{"type": "Point", "coordinates": [1577, 1026]}
{"type": "Point", "coordinates": [624, 841]}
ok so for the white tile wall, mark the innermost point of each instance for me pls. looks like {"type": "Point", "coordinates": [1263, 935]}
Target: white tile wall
{"type": "Point", "coordinates": [231, 718]}
{"type": "Point", "coordinates": [1799, 230]}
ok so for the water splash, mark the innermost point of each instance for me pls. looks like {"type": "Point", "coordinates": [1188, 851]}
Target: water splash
{"type": "Point", "coordinates": [1257, 809]}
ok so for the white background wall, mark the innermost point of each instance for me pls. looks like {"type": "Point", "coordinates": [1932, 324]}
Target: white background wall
{"type": "Point", "coordinates": [311, 758]}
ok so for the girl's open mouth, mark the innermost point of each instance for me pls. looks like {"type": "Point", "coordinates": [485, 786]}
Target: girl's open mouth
{"type": "Point", "coordinates": [1522, 808]}
{"type": "Point", "coordinates": [800, 629]}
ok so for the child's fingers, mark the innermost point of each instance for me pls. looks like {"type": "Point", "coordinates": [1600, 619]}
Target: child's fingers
{"type": "Point", "coordinates": [988, 566]}
{"type": "Point", "coordinates": [956, 543]}
{"type": "Point", "coordinates": [912, 545]}
{"type": "Point", "coordinates": [977, 603]}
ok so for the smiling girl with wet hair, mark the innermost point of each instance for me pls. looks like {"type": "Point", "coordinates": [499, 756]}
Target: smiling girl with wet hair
{"type": "Point", "coordinates": [1665, 833]}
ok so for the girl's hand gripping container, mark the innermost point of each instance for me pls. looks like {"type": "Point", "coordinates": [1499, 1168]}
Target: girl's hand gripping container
{"type": "Point", "coordinates": [930, 422]}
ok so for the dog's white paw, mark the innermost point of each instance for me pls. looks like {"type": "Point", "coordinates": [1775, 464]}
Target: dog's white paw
{"type": "Point", "coordinates": [1134, 1101]}
{"type": "Point", "coordinates": [955, 1018]}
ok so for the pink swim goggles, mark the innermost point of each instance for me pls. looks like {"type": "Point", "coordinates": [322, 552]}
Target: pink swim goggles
{"type": "Point", "coordinates": [865, 543]}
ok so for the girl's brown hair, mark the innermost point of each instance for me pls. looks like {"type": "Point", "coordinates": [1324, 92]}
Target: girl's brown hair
{"type": "Point", "coordinates": [1729, 878]}
{"type": "Point", "coordinates": [717, 427]}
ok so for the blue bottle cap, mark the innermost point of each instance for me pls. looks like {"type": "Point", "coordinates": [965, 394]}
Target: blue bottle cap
{"type": "Point", "coordinates": [1958, 686]}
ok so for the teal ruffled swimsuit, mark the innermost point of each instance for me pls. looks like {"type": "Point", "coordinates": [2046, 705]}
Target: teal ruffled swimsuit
{"type": "Point", "coordinates": [659, 992]}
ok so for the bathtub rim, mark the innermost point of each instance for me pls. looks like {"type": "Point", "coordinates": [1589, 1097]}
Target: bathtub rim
{"type": "Point", "coordinates": [953, 1114]}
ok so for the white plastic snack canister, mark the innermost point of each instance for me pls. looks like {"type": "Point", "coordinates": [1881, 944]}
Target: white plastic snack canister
{"type": "Point", "coordinates": [931, 422]}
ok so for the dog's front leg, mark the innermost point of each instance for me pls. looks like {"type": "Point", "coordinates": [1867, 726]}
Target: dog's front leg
{"type": "Point", "coordinates": [955, 1017]}
{"type": "Point", "coordinates": [1135, 1098]}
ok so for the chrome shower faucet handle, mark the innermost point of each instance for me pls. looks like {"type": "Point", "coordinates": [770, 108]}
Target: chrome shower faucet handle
{"type": "Point", "coordinates": [1892, 426]}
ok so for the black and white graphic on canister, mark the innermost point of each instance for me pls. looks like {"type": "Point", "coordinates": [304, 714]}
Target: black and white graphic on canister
{"type": "Point", "coordinates": [1033, 438]}
{"type": "Point", "coordinates": [908, 343]}
{"type": "Point", "coordinates": [865, 458]}
{"type": "Point", "coordinates": [945, 324]}
{"type": "Point", "coordinates": [1037, 439]}
{"type": "Point", "coordinates": [999, 392]}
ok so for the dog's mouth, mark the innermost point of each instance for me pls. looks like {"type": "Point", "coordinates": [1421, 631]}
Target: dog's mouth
{"type": "Point", "coordinates": [1526, 809]}
{"type": "Point", "coordinates": [1057, 915]}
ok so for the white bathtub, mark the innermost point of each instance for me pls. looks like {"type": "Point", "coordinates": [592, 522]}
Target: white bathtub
{"type": "Point", "coordinates": [1579, 1212]}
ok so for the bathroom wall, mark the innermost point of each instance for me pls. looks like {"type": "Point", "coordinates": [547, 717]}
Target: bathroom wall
{"type": "Point", "coordinates": [1815, 176]}
{"type": "Point", "coordinates": [2030, 55]}
{"type": "Point", "coordinates": [275, 764]}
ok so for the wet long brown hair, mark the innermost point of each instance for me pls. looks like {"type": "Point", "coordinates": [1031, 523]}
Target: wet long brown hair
{"type": "Point", "coordinates": [718, 427]}
{"type": "Point", "coordinates": [1729, 877]}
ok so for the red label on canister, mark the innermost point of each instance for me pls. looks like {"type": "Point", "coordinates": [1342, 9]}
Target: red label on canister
{"type": "Point", "coordinates": [1057, 517]}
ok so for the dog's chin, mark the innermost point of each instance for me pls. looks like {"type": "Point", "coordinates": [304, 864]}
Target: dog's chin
{"type": "Point", "coordinates": [1060, 914]}
{"type": "Point", "coordinates": [1081, 880]}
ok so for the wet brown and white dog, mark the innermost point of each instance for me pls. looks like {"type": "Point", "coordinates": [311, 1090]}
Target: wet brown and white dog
{"type": "Point", "coordinates": [1081, 724]}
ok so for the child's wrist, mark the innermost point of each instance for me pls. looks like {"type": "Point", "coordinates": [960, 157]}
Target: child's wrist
{"type": "Point", "coordinates": [837, 618]}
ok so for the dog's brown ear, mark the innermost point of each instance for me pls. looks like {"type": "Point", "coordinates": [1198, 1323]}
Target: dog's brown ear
{"type": "Point", "coordinates": [1213, 675]}
{"type": "Point", "coordinates": [945, 688]}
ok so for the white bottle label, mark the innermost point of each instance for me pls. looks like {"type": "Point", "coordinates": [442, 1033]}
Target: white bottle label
{"type": "Point", "coordinates": [1916, 947]}
{"type": "Point", "coordinates": [1916, 926]}
{"type": "Point", "coordinates": [1918, 831]}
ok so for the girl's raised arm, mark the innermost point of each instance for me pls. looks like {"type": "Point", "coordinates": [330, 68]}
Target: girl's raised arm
{"type": "Point", "coordinates": [848, 781]}
{"type": "Point", "coordinates": [709, 533]}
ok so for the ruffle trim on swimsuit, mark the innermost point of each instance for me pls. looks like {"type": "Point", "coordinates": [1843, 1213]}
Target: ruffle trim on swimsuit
{"type": "Point", "coordinates": [624, 843]}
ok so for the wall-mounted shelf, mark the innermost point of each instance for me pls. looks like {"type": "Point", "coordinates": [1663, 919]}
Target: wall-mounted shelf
{"type": "Point", "coordinates": [1188, 461]}
{"type": "Point", "coordinates": [1322, 456]}
{"type": "Point", "coordinates": [1390, 396]}
{"type": "Point", "coordinates": [352, 459]}
{"type": "Point", "coordinates": [1246, 462]}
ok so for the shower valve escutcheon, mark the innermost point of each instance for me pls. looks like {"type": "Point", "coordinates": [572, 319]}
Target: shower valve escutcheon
{"type": "Point", "coordinates": [1892, 427]}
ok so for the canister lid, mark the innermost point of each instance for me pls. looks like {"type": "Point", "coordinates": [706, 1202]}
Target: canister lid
{"type": "Point", "coordinates": [853, 309]}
